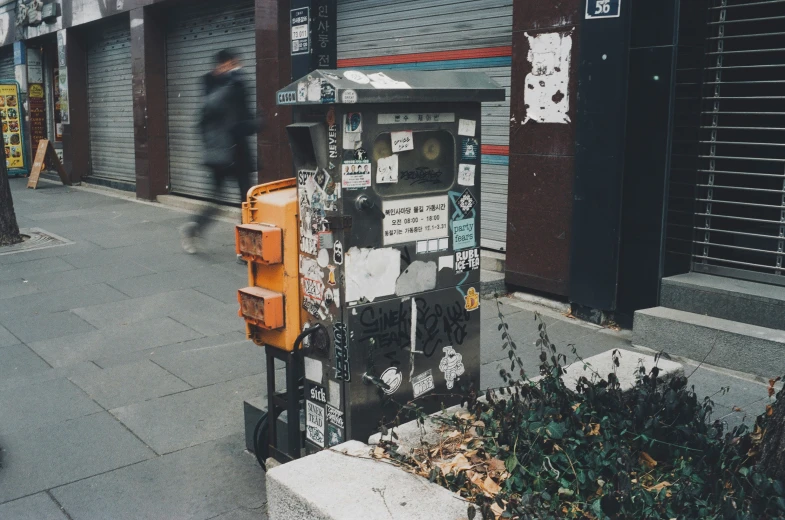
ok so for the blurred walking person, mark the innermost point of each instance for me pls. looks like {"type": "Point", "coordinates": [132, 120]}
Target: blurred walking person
{"type": "Point", "coordinates": [225, 124]}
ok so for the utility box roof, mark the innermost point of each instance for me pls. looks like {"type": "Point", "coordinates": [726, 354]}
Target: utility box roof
{"type": "Point", "coordinates": [390, 86]}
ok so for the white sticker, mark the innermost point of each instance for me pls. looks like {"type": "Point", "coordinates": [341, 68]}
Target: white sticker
{"type": "Point", "coordinates": [466, 174]}
{"type": "Point", "coordinates": [356, 76]}
{"type": "Point", "coordinates": [382, 80]}
{"type": "Point", "coordinates": [452, 366]}
{"type": "Point", "coordinates": [467, 127]}
{"type": "Point", "coordinates": [409, 117]}
{"type": "Point", "coordinates": [315, 90]}
{"type": "Point", "coordinates": [444, 243]}
{"type": "Point", "coordinates": [433, 245]}
{"type": "Point", "coordinates": [356, 174]}
{"type": "Point", "coordinates": [313, 370]}
{"type": "Point", "coordinates": [392, 377]}
{"type": "Point", "coordinates": [302, 91]}
{"type": "Point", "coordinates": [402, 141]}
{"type": "Point", "coordinates": [422, 246]}
{"type": "Point", "coordinates": [445, 262]}
{"type": "Point", "coordinates": [314, 431]}
{"type": "Point", "coordinates": [387, 170]}
{"type": "Point", "coordinates": [349, 97]}
{"type": "Point", "coordinates": [335, 393]}
{"type": "Point", "coordinates": [410, 220]}
{"type": "Point", "coordinates": [371, 273]}
{"type": "Point", "coordinates": [335, 416]}
{"type": "Point", "coordinates": [423, 383]}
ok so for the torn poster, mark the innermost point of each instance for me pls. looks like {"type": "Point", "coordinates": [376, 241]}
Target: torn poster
{"type": "Point", "coordinates": [546, 96]}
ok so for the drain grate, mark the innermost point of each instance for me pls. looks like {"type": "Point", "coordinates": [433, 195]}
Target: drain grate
{"type": "Point", "coordinates": [36, 239]}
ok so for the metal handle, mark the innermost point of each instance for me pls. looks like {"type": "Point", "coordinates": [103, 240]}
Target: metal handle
{"type": "Point", "coordinates": [364, 203]}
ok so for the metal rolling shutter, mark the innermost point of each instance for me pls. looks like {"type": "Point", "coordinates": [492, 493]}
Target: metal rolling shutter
{"type": "Point", "coordinates": [110, 101]}
{"type": "Point", "coordinates": [7, 63]}
{"type": "Point", "coordinates": [194, 38]}
{"type": "Point", "coordinates": [740, 218]}
{"type": "Point", "coordinates": [371, 28]}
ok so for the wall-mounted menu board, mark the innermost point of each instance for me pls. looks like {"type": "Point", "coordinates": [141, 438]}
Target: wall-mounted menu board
{"type": "Point", "coordinates": [12, 118]}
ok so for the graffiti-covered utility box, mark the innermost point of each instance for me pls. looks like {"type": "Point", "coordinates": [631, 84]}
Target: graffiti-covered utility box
{"type": "Point", "coordinates": [388, 171]}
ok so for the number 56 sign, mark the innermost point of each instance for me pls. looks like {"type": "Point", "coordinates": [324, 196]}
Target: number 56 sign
{"type": "Point", "coordinates": [602, 9]}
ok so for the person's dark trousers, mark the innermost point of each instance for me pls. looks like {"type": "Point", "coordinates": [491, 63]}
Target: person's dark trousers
{"type": "Point", "coordinates": [220, 177]}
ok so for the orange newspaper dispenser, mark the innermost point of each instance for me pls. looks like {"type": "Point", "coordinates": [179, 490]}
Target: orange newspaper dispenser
{"type": "Point", "coordinates": [268, 240]}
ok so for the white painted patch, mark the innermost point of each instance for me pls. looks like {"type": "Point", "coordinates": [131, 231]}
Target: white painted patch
{"type": "Point", "coordinates": [313, 370]}
{"type": "Point", "coordinates": [546, 92]}
{"type": "Point", "coordinates": [418, 277]}
{"type": "Point", "coordinates": [335, 394]}
{"type": "Point", "coordinates": [371, 273]}
{"type": "Point", "coordinates": [136, 22]}
{"type": "Point", "coordinates": [446, 262]}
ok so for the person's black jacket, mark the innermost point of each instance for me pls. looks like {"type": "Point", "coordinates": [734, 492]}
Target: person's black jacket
{"type": "Point", "coordinates": [226, 123]}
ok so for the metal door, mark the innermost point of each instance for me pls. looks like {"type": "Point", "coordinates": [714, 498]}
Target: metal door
{"type": "Point", "coordinates": [110, 101]}
{"type": "Point", "coordinates": [473, 35]}
{"type": "Point", "coordinates": [194, 37]}
{"type": "Point", "coordinates": [740, 217]}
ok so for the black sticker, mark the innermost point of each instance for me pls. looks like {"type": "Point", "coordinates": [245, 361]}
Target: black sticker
{"type": "Point", "coordinates": [334, 435]}
{"type": "Point", "coordinates": [328, 93]}
{"type": "Point", "coordinates": [468, 260]}
{"type": "Point", "coordinates": [342, 372]}
{"type": "Point", "coordinates": [470, 149]}
{"type": "Point", "coordinates": [317, 393]}
{"type": "Point", "coordinates": [335, 416]}
{"type": "Point", "coordinates": [466, 202]}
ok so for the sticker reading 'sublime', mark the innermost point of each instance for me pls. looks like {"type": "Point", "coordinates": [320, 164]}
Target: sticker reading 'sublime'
{"type": "Point", "coordinates": [410, 220]}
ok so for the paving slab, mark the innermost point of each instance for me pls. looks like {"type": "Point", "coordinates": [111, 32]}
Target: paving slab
{"type": "Point", "coordinates": [217, 318]}
{"type": "Point", "coordinates": [119, 339]}
{"type": "Point", "coordinates": [35, 507]}
{"type": "Point", "coordinates": [88, 276]}
{"type": "Point", "coordinates": [147, 308]}
{"type": "Point", "coordinates": [47, 375]}
{"type": "Point", "coordinates": [130, 383]}
{"type": "Point", "coordinates": [38, 459]}
{"type": "Point", "coordinates": [24, 269]}
{"type": "Point", "coordinates": [209, 365]}
{"type": "Point", "coordinates": [42, 404]}
{"type": "Point", "coordinates": [152, 283]}
{"type": "Point", "coordinates": [60, 300]}
{"type": "Point", "coordinates": [43, 326]}
{"type": "Point", "coordinates": [7, 338]}
{"type": "Point", "coordinates": [19, 360]}
{"type": "Point", "coordinates": [189, 418]}
{"type": "Point", "coordinates": [156, 352]}
{"type": "Point", "coordinates": [16, 287]}
{"type": "Point", "coordinates": [198, 483]}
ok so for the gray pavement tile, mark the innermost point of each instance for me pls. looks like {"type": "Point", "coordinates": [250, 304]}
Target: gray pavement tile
{"type": "Point", "coordinates": [209, 365]}
{"type": "Point", "coordinates": [6, 338]}
{"type": "Point", "coordinates": [78, 247]}
{"type": "Point", "coordinates": [35, 507]}
{"type": "Point", "coordinates": [65, 214]}
{"type": "Point", "coordinates": [90, 275]}
{"type": "Point", "coordinates": [114, 340]}
{"type": "Point", "coordinates": [19, 360]}
{"type": "Point", "coordinates": [197, 483]}
{"type": "Point", "coordinates": [147, 308]}
{"type": "Point", "coordinates": [26, 269]}
{"type": "Point", "coordinates": [39, 327]}
{"type": "Point", "coordinates": [154, 353]}
{"type": "Point", "coordinates": [155, 283]}
{"type": "Point", "coordinates": [217, 318]}
{"type": "Point", "coordinates": [113, 239]}
{"type": "Point", "coordinates": [167, 261]}
{"type": "Point", "coordinates": [95, 255]}
{"type": "Point", "coordinates": [16, 287]}
{"type": "Point", "coordinates": [189, 418]}
{"type": "Point", "coordinates": [127, 384]}
{"type": "Point", "coordinates": [47, 375]}
{"type": "Point", "coordinates": [60, 300]}
{"type": "Point", "coordinates": [40, 459]}
{"type": "Point", "coordinates": [45, 404]}
{"type": "Point", "coordinates": [244, 513]}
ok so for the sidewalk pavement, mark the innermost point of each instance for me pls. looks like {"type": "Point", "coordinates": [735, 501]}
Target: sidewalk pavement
{"type": "Point", "coordinates": [123, 365]}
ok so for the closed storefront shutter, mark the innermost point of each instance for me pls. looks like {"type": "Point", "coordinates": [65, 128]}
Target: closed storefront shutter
{"type": "Point", "coordinates": [7, 63]}
{"type": "Point", "coordinates": [194, 37]}
{"type": "Point", "coordinates": [472, 35]}
{"type": "Point", "coordinates": [110, 101]}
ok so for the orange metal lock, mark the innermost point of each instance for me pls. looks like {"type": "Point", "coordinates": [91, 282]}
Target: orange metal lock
{"type": "Point", "coordinates": [271, 304]}
{"type": "Point", "coordinates": [259, 242]}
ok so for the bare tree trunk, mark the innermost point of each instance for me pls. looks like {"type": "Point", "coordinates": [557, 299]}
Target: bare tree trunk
{"type": "Point", "coordinates": [9, 229]}
{"type": "Point", "coordinates": [772, 460]}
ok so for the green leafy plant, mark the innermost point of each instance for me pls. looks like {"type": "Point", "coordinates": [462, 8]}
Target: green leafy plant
{"type": "Point", "coordinates": [540, 450]}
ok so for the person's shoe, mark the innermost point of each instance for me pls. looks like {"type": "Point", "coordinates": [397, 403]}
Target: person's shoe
{"type": "Point", "coordinates": [240, 260]}
{"type": "Point", "coordinates": [187, 240]}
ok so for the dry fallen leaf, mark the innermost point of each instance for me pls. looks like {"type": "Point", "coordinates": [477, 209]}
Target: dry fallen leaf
{"type": "Point", "coordinates": [496, 510]}
{"type": "Point", "coordinates": [378, 452]}
{"type": "Point", "coordinates": [645, 458]}
{"type": "Point", "coordinates": [496, 465]}
{"type": "Point", "coordinates": [595, 430]}
{"type": "Point", "coordinates": [490, 487]}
